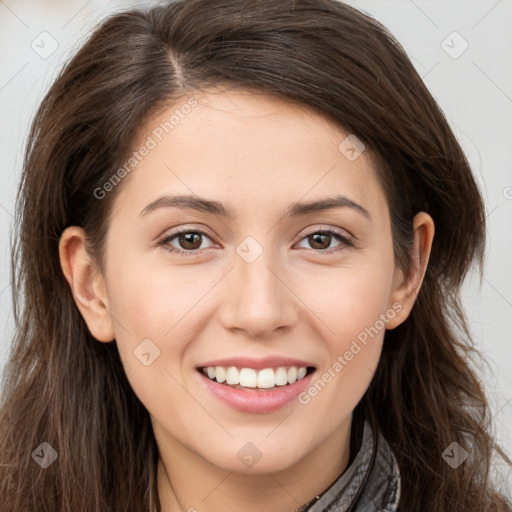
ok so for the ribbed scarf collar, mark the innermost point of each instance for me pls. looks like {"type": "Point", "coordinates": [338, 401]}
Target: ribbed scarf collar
{"type": "Point", "coordinates": [371, 481]}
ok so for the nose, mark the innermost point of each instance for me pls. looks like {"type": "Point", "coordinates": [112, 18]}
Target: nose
{"type": "Point", "coordinates": [259, 301]}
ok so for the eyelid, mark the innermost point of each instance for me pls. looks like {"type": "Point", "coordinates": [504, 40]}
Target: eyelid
{"type": "Point", "coordinates": [184, 228]}
{"type": "Point", "coordinates": [329, 229]}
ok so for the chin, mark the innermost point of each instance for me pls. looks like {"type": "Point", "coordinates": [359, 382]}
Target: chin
{"type": "Point", "coordinates": [257, 458]}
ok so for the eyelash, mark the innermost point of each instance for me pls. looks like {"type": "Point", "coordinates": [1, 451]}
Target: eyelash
{"type": "Point", "coordinates": [346, 241]}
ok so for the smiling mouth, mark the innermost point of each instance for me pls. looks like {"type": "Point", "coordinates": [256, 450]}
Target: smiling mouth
{"type": "Point", "coordinates": [251, 379]}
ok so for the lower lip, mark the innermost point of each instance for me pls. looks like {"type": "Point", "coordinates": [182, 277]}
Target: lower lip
{"type": "Point", "coordinates": [253, 400]}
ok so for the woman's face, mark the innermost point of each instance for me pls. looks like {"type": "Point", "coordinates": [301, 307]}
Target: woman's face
{"type": "Point", "coordinates": [285, 261]}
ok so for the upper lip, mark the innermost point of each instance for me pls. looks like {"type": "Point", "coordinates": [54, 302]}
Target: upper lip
{"type": "Point", "coordinates": [257, 364]}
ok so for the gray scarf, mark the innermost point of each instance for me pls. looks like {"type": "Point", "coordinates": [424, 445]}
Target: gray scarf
{"type": "Point", "coordinates": [371, 483]}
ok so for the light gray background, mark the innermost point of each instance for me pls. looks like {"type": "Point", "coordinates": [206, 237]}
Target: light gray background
{"type": "Point", "coordinates": [474, 89]}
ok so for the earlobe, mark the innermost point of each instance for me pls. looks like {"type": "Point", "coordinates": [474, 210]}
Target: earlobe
{"type": "Point", "coordinates": [86, 283]}
{"type": "Point", "coordinates": [406, 288]}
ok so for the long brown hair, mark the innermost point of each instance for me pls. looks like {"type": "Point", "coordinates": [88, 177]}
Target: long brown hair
{"type": "Point", "coordinates": [64, 388]}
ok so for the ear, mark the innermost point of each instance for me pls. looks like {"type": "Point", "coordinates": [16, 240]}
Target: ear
{"type": "Point", "coordinates": [406, 289]}
{"type": "Point", "coordinates": [86, 283]}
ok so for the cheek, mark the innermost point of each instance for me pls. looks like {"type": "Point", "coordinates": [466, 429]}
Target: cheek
{"type": "Point", "coordinates": [353, 345]}
{"type": "Point", "coordinates": [153, 302]}
{"type": "Point", "coordinates": [158, 311]}
{"type": "Point", "coordinates": [351, 306]}
{"type": "Point", "coordinates": [153, 325]}
{"type": "Point", "coordinates": [350, 301]}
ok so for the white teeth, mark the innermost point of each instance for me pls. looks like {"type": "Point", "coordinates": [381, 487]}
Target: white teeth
{"type": "Point", "coordinates": [292, 374]}
{"type": "Point", "coordinates": [266, 378]}
{"type": "Point", "coordinates": [220, 374]}
{"type": "Point", "coordinates": [232, 376]}
{"type": "Point", "coordinates": [251, 378]}
{"type": "Point", "coordinates": [282, 377]}
{"type": "Point", "coordinates": [248, 378]}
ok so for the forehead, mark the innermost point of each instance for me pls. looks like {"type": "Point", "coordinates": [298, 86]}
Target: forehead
{"type": "Point", "coordinates": [249, 149]}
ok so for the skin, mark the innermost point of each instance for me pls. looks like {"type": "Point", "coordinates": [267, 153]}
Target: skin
{"type": "Point", "coordinates": [256, 155]}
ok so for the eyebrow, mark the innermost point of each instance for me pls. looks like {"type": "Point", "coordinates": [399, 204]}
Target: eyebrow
{"type": "Point", "coordinates": [297, 209]}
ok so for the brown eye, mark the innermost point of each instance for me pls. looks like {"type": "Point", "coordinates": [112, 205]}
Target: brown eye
{"type": "Point", "coordinates": [184, 243]}
{"type": "Point", "coordinates": [189, 241]}
{"type": "Point", "coordinates": [321, 241]}
{"type": "Point", "coordinates": [318, 241]}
